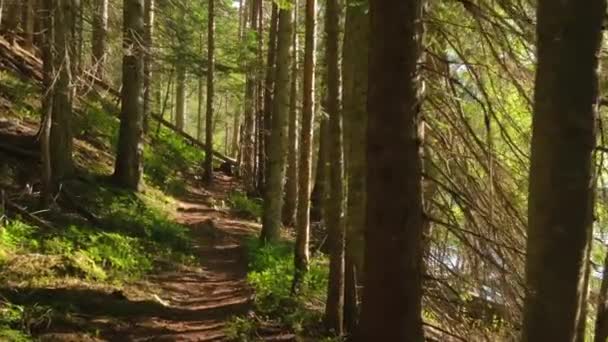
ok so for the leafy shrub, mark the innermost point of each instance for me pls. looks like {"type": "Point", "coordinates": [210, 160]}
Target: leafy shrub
{"type": "Point", "coordinates": [245, 206]}
{"type": "Point", "coordinates": [239, 329]}
{"type": "Point", "coordinates": [97, 121]}
{"type": "Point", "coordinates": [128, 213]}
{"type": "Point", "coordinates": [17, 235]}
{"type": "Point", "coordinates": [19, 91]}
{"type": "Point", "coordinates": [168, 158]}
{"type": "Point", "coordinates": [9, 334]}
{"type": "Point", "coordinates": [16, 321]}
{"type": "Point", "coordinates": [271, 275]}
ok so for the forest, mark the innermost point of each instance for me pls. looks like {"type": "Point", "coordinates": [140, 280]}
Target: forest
{"type": "Point", "coordinates": [303, 170]}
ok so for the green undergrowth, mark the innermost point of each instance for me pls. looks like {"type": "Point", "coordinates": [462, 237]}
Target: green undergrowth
{"type": "Point", "coordinates": [135, 236]}
{"type": "Point", "coordinates": [271, 270]}
{"type": "Point", "coordinates": [18, 92]}
{"type": "Point", "coordinates": [135, 232]}
{"type": "Point", "coordinates": [169, 159]}
{"type": "Point", "coordinates": [122, 238]}
{"type": "Point", "coordinates": [244, 206]}
{"type": "Point", "coordinates": [17, 321]}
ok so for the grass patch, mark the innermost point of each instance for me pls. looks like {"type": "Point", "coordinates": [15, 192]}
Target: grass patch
{"type": "Point", "coordinates": [271, 269]}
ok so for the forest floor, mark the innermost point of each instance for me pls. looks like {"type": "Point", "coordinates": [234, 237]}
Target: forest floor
{"type": "Point", "coordinates": [193, 302]}
{"type": "Point", "coordinates": [196, 300]}
{"type": "Point", "coordinates": [190, 304]}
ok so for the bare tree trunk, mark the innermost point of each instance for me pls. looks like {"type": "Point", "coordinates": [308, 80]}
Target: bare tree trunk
{"type": "Point", "coordinates": [560, 204]}
{"type": "Point", "coordinates": [99, 39]}
{"type": "Point", "coordinates": [201, 96]}
{"type": "Point", "coordinates": [61, 128]}
{"type": "Point", "coordinates": [392, 295]}
{"type": "Point", "coordinates": [148, 77]}
{"type": "Point", "coordinates": [261, 133]}
{"type": "Point", "coordinates": [291, 183]}
{"type": "Point", "coordinates": [319, 192]}
{"type": "Point", "coordinates": [129, 163]}
{"type": "Point", "coordinates": [226, 133]}
{"type": "Point", "coordinates": [48, 188]}
{"type": "Point", "coordinates": [273, 199]}
{"type": "Point", "coordinates": [234, 150]}
{"type": "Point", "coordinates": [180, 97]}
{"type": "Point", "coordinates": [248, 152]}
{"type": "Point", "coordinates": [302, 253]}
{"type": "Point", "coordinates": [28, 24]}
{"type": "Point", "coordinates": [210, 94]}
{"type": "Point", "coordinates": [355, 80]}
{"type": "Point", "coordinates": [601, 321]}
{"type": "Point", "coordinates": [78, 39]}
{"type": "Point", "coordinates": [11, 18]}
{"type": "Point", "coordinates": [269, 83]}
{"type": "Point", "coordinates": [334, 309]}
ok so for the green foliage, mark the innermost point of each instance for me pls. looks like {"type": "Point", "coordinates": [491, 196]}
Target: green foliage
{"type": "Point", "coordinates": [245, 206]}
{"type": "Point", "coordinates": [240, 329]}
{"type": "Point", "coordinates": [16, 235]}
{"type": "Point", "coordinates": [98, 122]}
{"type": "Point", "coordinates": [169, 157]}
{"type": "Point", "coordinates": [9, 334]}
{"type": "Point", "coordinates": [271, 275]}
{"type": "Point", "coordinates": [95, 252]}
{"type": "Point", "coordinates": [19, 91]}
{"type": "Point", "coordinates": [16, 321]}
{"type": "Point", "coordinates": [127, 213]}
{"type": "Point", "coordinates": [135, 233]}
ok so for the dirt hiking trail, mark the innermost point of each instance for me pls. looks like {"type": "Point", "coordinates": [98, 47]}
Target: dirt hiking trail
{"type": "Point", "coordinates": [192, 303]}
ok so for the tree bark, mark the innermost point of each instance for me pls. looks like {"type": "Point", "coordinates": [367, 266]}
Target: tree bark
{"type": "Point", "coordinates": [268, 92]}
{"type": "Point", "coordinates": [273, 199]}
{"type": "Point", "coordinates": [248, 150]}
{"type": "Point", "coordinates": [302, 253]}
{"type": "Point", "coordinates": [148, 77]}
{"type": "Point", "coordinates": [61, 128]}
{"type": "Point", "coordinates": [319, 192]}
{"type": "Point", "coordinates": [291, 183]}
{"type": "Point", "coordinates": [28, 24]}
{"type": "Point", "coordinates": [99, 37]}
{"type": "Point", "coordinates": [210, 93]}
{"type": "Point", "coordinates": [180, 97]}
{"type": "Point", "coordinates": [129, 163]}
{"type": "Point", "coordinates": [601, 321]}
{"type": "Point", "coordinates": [11, 18]}
{"type": "Point", "coordinates": [391, 306]}
{"type": "Point", "coordinates": [48, 189]}
{"type": "Point", "coordinates": [334, 309]}
{"type": "Point", "coordinates": [355, 80]}
{"type": "Point", "coordinates": [560, 204]}
{"type": "Point", "coordinates": [236, 119]}
{"type": "Point", "coordinates": [261, 134]}
{"type": "Point", "coordinates": [77, 38]}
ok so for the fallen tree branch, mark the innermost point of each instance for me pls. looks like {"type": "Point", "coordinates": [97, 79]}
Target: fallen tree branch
{"type": "Point", "coordinates": [27, 215]}
{"type": "Point", "coordinates": [191, 139]}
